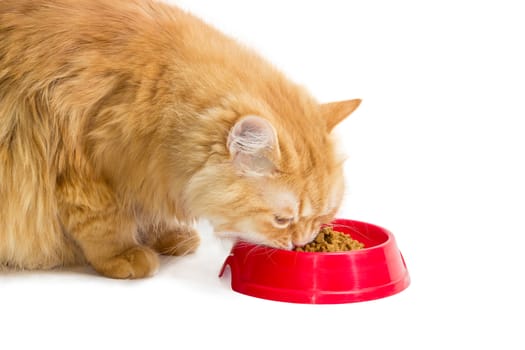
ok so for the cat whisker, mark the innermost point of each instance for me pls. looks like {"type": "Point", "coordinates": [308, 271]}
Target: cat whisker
{"type": "Point", "coordinates": [255, 249]}
{"type": "Point", "coordinates": [176, 249]}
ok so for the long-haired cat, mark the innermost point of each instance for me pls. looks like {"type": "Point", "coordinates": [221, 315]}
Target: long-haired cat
{"type": "Point", "coordinates": [124, 121]}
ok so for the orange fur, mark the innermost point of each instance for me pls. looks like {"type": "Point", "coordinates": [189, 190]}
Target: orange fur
{"type": "Point", "coordinates": [124, 121]}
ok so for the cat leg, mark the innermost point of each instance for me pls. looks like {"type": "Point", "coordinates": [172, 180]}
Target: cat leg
{"type": "Point", "coordinates": [179, 240]}
{"type": "Point", "coordinates": [104, 232]}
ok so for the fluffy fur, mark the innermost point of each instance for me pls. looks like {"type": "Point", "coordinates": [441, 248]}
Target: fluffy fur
{"type": "Point", "coordinates": [124, 121]}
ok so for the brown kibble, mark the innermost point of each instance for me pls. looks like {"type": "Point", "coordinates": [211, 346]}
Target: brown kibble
{"type": "Point", "coordinates": [328, 240]}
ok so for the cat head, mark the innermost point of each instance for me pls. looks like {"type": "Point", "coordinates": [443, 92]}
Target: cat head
{"type": "Point", "coordinates": [275, 178]}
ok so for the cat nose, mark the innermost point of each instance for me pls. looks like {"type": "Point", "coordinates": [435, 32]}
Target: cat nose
{"type": "Point", "coordinates": [282, 244]}
{"type": "Point", "coordinates": [305, 239]}
{"type": "Point", "coordinates": [298, 242]}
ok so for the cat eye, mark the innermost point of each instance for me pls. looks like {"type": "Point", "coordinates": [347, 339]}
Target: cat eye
{"type": "Point", "coordinates": [281, 221]}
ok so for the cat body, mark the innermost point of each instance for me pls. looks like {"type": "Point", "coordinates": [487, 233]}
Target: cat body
{"type": "Point", "coordinates": [122, 122]}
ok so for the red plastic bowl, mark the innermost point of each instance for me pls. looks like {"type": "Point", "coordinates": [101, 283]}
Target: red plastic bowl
{"type": "Point", "coordinates": [374, 272]}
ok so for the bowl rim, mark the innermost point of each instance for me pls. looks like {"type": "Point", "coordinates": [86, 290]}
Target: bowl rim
{"type": "Point", "coordinates": [335, 222]}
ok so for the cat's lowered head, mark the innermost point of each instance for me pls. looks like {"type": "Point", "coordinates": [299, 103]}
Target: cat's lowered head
{"type": "Point", "coordinates": [122, 122]}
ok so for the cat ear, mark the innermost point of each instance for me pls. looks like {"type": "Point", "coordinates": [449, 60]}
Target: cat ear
{"type": "Point", "coordinates": [335, 112]}
{"type": "Point", "coordinates": [253, 146]}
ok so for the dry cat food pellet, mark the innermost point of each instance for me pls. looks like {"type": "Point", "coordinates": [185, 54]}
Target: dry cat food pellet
{"type": "Point", "coordinates": [328, 240]}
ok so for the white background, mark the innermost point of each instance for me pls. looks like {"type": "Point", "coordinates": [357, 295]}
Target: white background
{"type": "Point", "coordinates": [435, 154]}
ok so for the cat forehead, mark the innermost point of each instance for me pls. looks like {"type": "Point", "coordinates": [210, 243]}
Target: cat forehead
{"type": "Point", "coordinates": [307, 201]}
{"type": "Point", "coordinates": [283, 201]}
{"type": "Point", "coordinates": [325, 205]}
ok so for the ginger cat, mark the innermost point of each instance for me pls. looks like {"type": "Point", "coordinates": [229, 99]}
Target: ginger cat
{"type": "Point", "coordinates": [124, 121]}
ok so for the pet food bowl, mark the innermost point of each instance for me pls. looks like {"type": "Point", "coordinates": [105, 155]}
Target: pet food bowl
{"type": "Point", "coordinates": [376, 271]}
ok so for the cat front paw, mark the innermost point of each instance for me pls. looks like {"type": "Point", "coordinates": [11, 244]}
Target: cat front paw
{"type": "Point", "coordinates": [136, 262]}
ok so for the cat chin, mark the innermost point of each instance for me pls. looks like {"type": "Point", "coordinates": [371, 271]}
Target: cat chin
{"type": "Point", "coordinates": [254, 238]}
